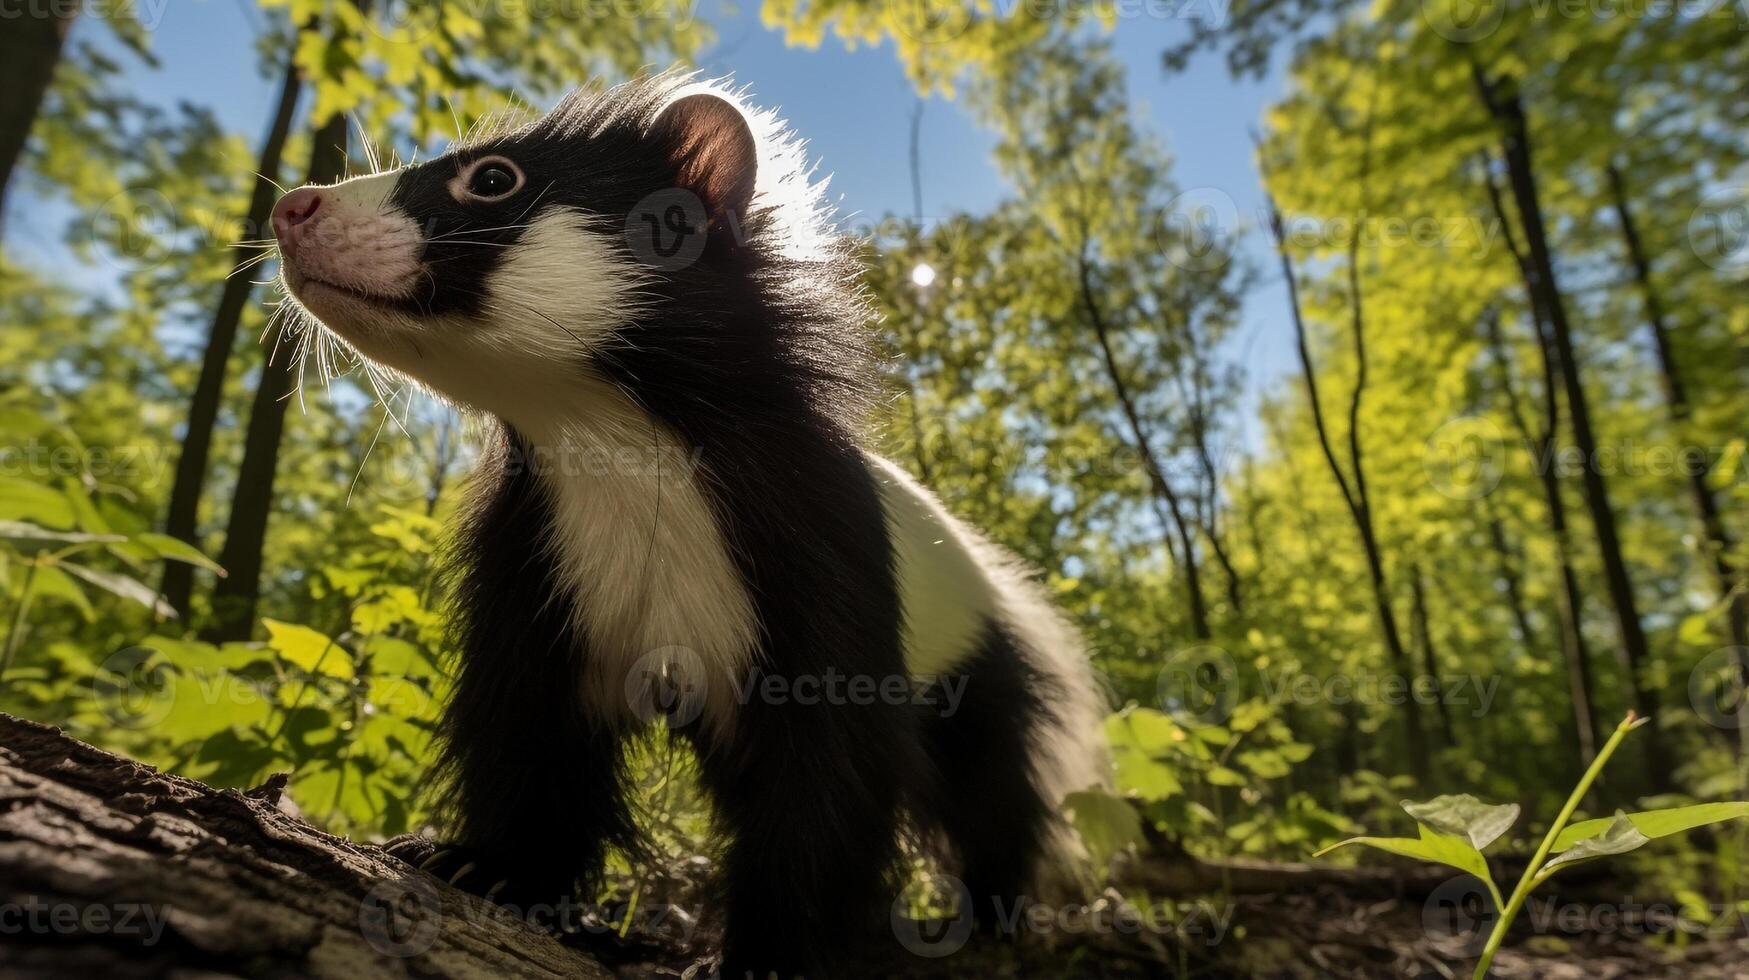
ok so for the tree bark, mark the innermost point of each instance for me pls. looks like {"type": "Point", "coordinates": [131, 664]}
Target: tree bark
{"type": "Point", "coordinates": [1210, 525]}
{"type": "Point", "coordinates": [203, 407]}
{"type": "Point", "coordinates": [1508, 559]}
{"type": "Point", "coordinates": [1422, 625]}
{"type": "Point", "coordinates": [1696, 465]}
{"type": "Point", "coordinates": [30, 48]}
{"type": "Point", "coordinates": [116, 869]}
{"type": "Point", "coordinates": [1506, 107]}
{"type": "Point", "coordinates": [235, 596]}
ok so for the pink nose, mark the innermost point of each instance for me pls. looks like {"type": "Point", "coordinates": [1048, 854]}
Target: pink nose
{"type": "Point", "coordinates": [291, 216]}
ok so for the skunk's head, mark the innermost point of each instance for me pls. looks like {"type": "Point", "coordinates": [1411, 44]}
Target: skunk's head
{"type": "Point", "coordinates": [648, 235]}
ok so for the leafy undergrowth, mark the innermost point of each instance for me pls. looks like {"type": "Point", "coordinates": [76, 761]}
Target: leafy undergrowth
{"type": "Point", "coordinates": [1317, 934]}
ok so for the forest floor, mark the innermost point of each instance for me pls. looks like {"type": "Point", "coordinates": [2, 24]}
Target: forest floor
{"type": "Point", "coordinates": [1315, 932]}
{"type": "Point", "coordinates": [1316, 935]}
{"type": "Point", "coordinates": [93, 847]}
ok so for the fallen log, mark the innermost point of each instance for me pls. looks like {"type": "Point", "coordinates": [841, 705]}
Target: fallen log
{"type": "Point", "coordinates": [112, 868]}
{"type": "Point", "coordinates": [109, 867]}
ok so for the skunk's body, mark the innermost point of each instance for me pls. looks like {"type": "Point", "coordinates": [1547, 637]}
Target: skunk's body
{"type": "Point", "coordinates": [675, 515]}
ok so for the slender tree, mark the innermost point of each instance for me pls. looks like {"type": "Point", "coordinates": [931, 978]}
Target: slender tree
{"type": "Point", "coordinates": [1421, 625]}
{"type": "Point", "coordinates": [1179, 524]}
{"type": "Point", "coordinates": [1501, 99]}
{"type": "Point", "coordinates": [203, 405]}
{"type": "Point", "coordinates": [235, 596]}
{"type": "Point", "coordinates": [1509, 560]}
{"type": "Point", "coordinates": [30, 48]}
{"type": "Point", "coordinates": [1539, 442]}
{"type": "Point", "coordinates": [1355, 495]}
{"type": "Point", "coordinates": [1695, 463]}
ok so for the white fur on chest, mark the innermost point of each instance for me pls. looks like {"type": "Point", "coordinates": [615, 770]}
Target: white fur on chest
{"type": "Point", "coordinates": [652, 580]}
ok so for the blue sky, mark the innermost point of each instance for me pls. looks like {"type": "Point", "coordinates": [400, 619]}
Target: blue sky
{"type": "Point", "coordinates": [853, 107]}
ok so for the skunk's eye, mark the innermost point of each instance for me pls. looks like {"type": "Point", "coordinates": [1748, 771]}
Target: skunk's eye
{"type": "Point", "coordinates": [490, 179]}
{"type": "Point", "coordinates": [492, 182]}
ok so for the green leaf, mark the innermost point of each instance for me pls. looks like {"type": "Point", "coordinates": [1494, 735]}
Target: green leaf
{"type": "Point", "coordinates": [307, 648]}
{"type": "Point", "coordinates": [1463, 815]}
{"type": "Point", "coordinates": [1222, 776]}
{"type": "Point", "coordinates": [128, 588]}
{"type": "Point", "coordinates": [174, 549]}
{"type": "Point", "coordinates": [1147, 778]}
{"type": "Point", "coordinates": [85, 513]}
{"type": "Point", "coordinates": [1432, 846]}
{"type": "Point", "coordinates": [1619, 837]}
{"type": "Point", "coordinates": [1153, 731]}
{"type": "Point", "coordinates": [1264, 764]}
{"type": "Point", "coordinates": [1696, 630]}
{"type": "Point", "coordinates": [1212, 734]}
{"type": "Point", "coordinates": [26, 531]}
{"type": "Point", "coordinates": [1108, 824]}
{"type": "Point", "coordinates": [52, 583]}
{"type": "Point", "coordinates": [1656, 823]}
{"type": "Point", "coordinates": [1250, 714]}
{"type": "Point", "coordinates": [23, 500]}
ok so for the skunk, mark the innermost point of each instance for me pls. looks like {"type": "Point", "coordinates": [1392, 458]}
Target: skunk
{"type": "Point", "coordinates": [642, 298]}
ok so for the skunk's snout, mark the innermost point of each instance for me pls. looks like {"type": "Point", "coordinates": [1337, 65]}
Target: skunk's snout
{"type": "Point", "coordinates": [291, 217]}
{"type": "Point", "coordinates": [347, 237]}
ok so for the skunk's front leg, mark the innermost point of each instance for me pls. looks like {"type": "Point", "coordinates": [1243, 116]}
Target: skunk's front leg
{"type": "Point", "coordinates": [535, 788]}
{"type": "Point", "coordinates": [533, 783]}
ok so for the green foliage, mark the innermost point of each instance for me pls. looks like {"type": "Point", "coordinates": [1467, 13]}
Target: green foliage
{"type": "Point", "coordinates": [1456, 829]}
{"type": "Point", "coordinates": [1097, 272]}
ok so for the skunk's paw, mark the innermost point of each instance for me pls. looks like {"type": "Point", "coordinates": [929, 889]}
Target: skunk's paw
{"type": "Point", "coordinates": [410, 848]}
{"type": "Point", "coordinates": [544, 897]}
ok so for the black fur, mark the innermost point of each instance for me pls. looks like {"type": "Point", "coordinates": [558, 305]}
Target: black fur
{"type": "Point", "coordinates": [535, 787]}
{"type": "Point", "coordinates": [757, 360]}
{"type": "Point", "coordinates": [983, 804]}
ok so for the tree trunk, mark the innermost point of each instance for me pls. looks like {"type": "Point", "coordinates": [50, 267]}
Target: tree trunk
{"type": "Point", "coordinates": [1575, 651]}
{"type": "Point", "coordinates": [1359, 508]}
{"type": "Point", "coordinates": [1506, 107]}
{"type": "Point", "coordinates": [30, 48]}
{"type": "Point", "coordinates": [1210, 528]}
{"type": "Point", "coordinates": [235, 596]}
{"type": "Point", "coordinates": [116, 869]}
{"type": "Point", "coordinates": [1199, 623]}
{"type": "Point", "coordinates": [1422, 626]}
{"type": "Point", "coordinates": [1696, 464]}
{"type": "Point", "coordinates": [209, 389]}
{"type": "Point", "coordinates": [1508, 558]}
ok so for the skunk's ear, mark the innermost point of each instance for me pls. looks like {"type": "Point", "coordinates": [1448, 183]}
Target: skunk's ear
{"type": "Point", "coordinates": [714, 152]}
